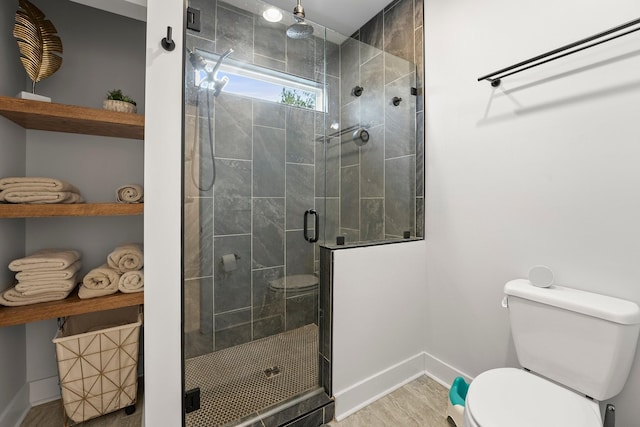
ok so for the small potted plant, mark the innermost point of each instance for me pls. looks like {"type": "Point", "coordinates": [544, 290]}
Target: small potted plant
{"type": "Point", "coordinates": [116, 101]}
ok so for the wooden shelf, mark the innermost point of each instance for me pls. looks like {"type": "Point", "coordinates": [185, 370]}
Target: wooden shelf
{"type": "Point", "coordinates": [69, 306]}
{"type": "Point", "coordinates": [72, 119]}
{"type": "Point", "coordinates": [16, 210]}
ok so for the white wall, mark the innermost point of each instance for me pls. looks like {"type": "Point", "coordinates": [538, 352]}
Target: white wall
{"type": "Point", "coordinates": [543, 170]}
{"type": "Point", "coordinates": [162, 225]}
{"type": "Point", "coordinates": [13, 391]}
{"type": "Point", "coordinates": [379, 315]}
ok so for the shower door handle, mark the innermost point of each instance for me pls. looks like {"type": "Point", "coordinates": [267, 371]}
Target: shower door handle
{"type": "Point", "coordinates": [306, 227]}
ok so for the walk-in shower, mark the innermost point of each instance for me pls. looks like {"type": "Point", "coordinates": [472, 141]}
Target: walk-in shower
{"type": "Point", "coordinates": [290, 143]}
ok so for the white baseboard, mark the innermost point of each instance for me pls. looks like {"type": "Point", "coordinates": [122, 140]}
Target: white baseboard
{"type": "Point", "coordinates": [384, 382]}
{"type": "Point", "coordinates": [43, 391]}
{"type": "Point", "coordinates": [17, 408]}
{"type": "Point", "coordinates": [378, 385]}
{"type": "Point", "coordinates": [442, 372]}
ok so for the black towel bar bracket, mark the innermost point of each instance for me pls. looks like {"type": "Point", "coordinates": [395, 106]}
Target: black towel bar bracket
{"type": "Point", "coordinates": [496, 77]}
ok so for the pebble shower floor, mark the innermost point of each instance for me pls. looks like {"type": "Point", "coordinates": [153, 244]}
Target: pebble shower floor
{"type": "Point", "coordinates": [241, 381]}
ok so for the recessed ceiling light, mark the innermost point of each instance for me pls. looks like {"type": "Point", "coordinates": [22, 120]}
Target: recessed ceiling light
{"type": "Point", "coordinates": [272, 14]}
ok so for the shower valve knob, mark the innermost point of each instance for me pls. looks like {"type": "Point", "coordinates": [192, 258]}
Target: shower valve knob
{"type": "Point", "coordinates": [357, 91]}
{"type": "Point", "coordinates": [396, 101]}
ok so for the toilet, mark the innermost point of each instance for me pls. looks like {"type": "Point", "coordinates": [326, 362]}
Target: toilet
{"type": "Point", "coordinates": [576, 348]}
{"type": "Point", "coordinates": [296, 284]}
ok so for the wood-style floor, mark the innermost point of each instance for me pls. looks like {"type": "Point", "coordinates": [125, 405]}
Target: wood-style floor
{"type": "Point", "coordinates": [51, 415]}
{"type": "Point", "coordinates": [421, 403]}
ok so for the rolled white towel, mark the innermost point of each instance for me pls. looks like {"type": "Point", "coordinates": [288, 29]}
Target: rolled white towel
{"type": "Point", "coordinates": [49, 275]}
{"type": "Point", "coordinates": [102, 277]}
{"type": "Point", "coordinates": [37, 287]}
{"type": "Point", "coordinates": [36, 197]}
{"type": "Point", "coordinates": [46, 260]}
{"type": "Point", "coordinates": [131, 281]}
{"type": "Point", "coordinates": [126, 258]}
{"type": "Point", "coordinates": [98, 282]}
{"type": "Point", "coordinates": [13, 298]}
{"type": "Point", "coordinates": [130, 193]}
{"type": "Point", "coordinates": [35, 183]}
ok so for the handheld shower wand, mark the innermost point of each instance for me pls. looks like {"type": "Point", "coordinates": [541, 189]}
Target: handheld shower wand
{"type": "Point", "coordinates": [199, 63]}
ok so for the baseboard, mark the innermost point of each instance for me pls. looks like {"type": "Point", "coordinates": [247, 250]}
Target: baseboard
{"type": "Point", "coordinates": [44, 390]}
{"type": "Point", "coordinates": [442, 372]}
{"type": "Point", "coordinates": [17, 408]}
{"type": "Point", "coordinates": [378, 385]}
{"type": "Point", "coordinates": [384, 382]}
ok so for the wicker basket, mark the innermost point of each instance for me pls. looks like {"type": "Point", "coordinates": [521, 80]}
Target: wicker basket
{"type": "Point", "coordinates": [97, 362]}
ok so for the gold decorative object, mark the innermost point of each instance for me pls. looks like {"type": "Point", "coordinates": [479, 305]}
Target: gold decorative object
{"type": "Point", "coordinates": [37, 41]}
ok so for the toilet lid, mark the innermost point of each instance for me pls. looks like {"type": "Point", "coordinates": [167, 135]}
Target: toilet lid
{"type": "Point", "coordinates": [508, 397]}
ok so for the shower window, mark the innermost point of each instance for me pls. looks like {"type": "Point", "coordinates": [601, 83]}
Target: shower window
{"type": "Point", "coordinates": [265, 84]}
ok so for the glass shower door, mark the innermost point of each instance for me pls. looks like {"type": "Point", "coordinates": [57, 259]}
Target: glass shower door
{"type": "Point", "coordinates": [254, 107]}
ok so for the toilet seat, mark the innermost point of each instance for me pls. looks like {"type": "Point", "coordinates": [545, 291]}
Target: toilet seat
{"type": "Point", "coordinates": [508, 397]}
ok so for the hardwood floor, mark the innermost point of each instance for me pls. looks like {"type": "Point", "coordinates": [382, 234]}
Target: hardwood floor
{"type": "Point", "coordinates": [421, 403]}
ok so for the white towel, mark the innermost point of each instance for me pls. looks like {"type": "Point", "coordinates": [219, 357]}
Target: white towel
{"type": "Point", "coordinates": [11, 297]}
{"type": "Point", "coordinates": [99, 282]}
{"type": "Point", "coordinates": [35, 197]}
{"type": "Point", "coordinates": [126, 258]}
{"type": "Point", "coordinates": [131, 281]}
{"type": "Point", "coordinates": [38, 287]}
{"type": "Point", "coordinates": [35, 183]}
{"type": "Point", "coordinates": [130, 193]}
{"type": "Point", "coordinates": [46, 260]}
{"type": "Point", "coordinates": [101, 278]}
{"type": "Point", "coordinates": [49, 275]}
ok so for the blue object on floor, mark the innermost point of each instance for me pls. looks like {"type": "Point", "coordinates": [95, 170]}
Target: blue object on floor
{"type": "Point", "coordinates": [457, 395]}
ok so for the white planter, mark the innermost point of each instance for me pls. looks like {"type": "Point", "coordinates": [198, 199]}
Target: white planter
{"type": "Point", "coordinates": [120, 106]}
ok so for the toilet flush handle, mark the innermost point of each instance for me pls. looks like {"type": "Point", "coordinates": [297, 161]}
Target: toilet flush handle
{"type": "Point", "coordinates": [505, 302]}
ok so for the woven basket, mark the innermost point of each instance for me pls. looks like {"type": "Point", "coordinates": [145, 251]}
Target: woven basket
{"type": "Point", "coordinates": [120, 106]}
{"type": "Point", "coordinates": [98, 365]}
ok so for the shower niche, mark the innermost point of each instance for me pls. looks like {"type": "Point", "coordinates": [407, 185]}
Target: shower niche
{"type": "Point", "coordinates": [281, 158]}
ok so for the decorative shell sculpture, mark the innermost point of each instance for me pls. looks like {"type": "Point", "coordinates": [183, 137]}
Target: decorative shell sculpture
{"type": "Point", "coordinates": [37, 41]}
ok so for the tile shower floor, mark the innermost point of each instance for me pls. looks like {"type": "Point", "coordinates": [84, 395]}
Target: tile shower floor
{"type": "Point", "coordinates": [240, 381]}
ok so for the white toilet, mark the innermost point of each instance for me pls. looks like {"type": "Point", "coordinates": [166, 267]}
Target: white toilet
{"type": "Point", "coordinates": [576, 347]}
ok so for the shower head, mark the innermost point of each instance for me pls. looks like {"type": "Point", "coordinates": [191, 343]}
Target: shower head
{"type": "Point", "coordinates": [300, 29]}
{"type": "Point", "coordinates": [199, 63]}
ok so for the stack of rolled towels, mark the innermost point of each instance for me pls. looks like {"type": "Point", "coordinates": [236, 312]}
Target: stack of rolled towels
{"type": "Point", "coordinates": [130, 193]}
{"type": "Point", "coordinates": [46, 275]}
{"type": "Point", "coordinates": [38, 190]}
{"type": "Point", "coordinates": [122, 272]}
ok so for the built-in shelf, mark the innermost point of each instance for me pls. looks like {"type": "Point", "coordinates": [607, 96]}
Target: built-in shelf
{"type": "Point", "coordinates": [81, 120]}
{"type": "Point", "coordinates": [15, 210]}
{"type": "Point", "coordinates": [72, 119]}
{"type": "Point", "coordinates": [69, 306]}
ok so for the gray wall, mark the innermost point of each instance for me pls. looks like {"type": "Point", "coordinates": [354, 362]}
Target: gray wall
{"type": "Point", "coordinates": [381, 182]}
{"type": "Point", "coordinates": [267, 175]}
{"type": "Point", "coordinates": [102, 51]}
{"type": "Point", "coordinates": [12, 163]}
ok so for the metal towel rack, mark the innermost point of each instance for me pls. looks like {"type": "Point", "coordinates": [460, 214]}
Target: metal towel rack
{"type": "Point", "coordinates": [496, 77]}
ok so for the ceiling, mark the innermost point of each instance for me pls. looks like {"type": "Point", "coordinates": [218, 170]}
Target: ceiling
{"type": "Point", "coordinates": [343, 16]}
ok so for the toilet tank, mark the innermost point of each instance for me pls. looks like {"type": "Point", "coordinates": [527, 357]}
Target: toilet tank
{"type": "Point", "coordinates": [582, 340]}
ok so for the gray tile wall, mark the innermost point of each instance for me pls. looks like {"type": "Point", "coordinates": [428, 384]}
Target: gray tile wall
{"type": "Point", "coordinates": [269, 169]}
{"type": "Point", "coordinates": [382, 182]}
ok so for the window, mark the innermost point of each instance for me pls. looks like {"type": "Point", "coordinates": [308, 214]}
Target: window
{"type": "Point", "coordinates": [262, 83]}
